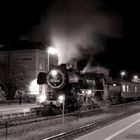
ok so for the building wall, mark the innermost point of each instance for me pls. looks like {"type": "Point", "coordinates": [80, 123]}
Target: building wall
{"type": "Point", "coordinates": [34, 60]}
{"type": "Point", "coordinates": [41, 64]}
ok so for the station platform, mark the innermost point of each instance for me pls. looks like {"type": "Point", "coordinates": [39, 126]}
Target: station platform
{"type": "Point", "coordinates": [14, 109]}
{"type": "Point", "coordinates": [125, 129]}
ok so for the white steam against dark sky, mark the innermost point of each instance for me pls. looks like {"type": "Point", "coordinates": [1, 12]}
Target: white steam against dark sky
{"type": "Point", "coordinates": [78, 27]}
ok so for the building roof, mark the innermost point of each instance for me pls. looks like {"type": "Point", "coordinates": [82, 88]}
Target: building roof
{"type": "Point", "coordinates": [23, 45]}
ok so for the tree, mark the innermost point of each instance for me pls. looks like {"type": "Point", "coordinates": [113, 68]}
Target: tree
{"type": "Point", "coordinates": [12, 74]}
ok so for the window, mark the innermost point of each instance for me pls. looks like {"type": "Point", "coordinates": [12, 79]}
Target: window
{"type": "Point", "coordinates": [123, 88]}
{"type": "Point", "coordinates": [40, 63]}
{"type": "Point", "coordinates": [136, 89]}
{"type": "Point", "coordinates": [127, 88]}
{"type": "Point", "coordinates": [46, 64]}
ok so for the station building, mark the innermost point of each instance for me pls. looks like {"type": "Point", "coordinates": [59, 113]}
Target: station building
{"type": "Point", "coordinates": [32, 57]}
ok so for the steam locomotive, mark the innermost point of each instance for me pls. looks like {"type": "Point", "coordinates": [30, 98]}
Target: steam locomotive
{"type": "Point", "coordinates": [82, 90]}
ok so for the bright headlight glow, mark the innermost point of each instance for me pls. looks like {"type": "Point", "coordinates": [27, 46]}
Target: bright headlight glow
{"type": "Point", "coordinates": [83, 91]}
{"type": "Point", "coordinates": [54, 72]}
{"type": "Point", "coordinates": [89, 92]}
{"type": "Point", "coordinates": [61, 98]}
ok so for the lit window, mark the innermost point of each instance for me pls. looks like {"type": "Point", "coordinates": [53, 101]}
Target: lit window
{"type": "Point", "coordinates": [127, 87]}
{"type": "Point", "coordinates": [136, 89]}
{"type": "Point", "coordinates": [123, 88]}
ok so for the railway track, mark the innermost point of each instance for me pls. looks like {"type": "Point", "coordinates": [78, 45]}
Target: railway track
{"type": "Point", "coordinates": [32, 119]}
{"type": "Point", "coordinates": [90, 127]}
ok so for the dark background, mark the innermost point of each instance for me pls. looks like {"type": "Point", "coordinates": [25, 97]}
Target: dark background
{"type": "Point", "coordinates": [18, 18]}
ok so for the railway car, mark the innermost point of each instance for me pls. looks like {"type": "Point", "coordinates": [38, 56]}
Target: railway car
{"type": "Point", "coordinates": [121, 91]}
{"type": "Point", "coordinates": [130, 90]}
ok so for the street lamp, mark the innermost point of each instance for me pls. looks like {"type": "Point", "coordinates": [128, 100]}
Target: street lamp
{"type": "Point", "coordinates": [135, 77]}
{"type": "Point", "coordinates": [51, 51]}
{"type": "Point", "coordinates": [61, 98]}
{"type": "Point", "coordinates": [122, 74]}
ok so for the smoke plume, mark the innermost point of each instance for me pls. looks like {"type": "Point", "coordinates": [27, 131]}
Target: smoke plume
{"type": "Point", "coordinates": [78, 27]}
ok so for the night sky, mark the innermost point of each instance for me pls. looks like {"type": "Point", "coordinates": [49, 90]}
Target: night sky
{"type": "Point", "coordinates": [106, 31]}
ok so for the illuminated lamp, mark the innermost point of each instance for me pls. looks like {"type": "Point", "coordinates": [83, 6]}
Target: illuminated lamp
{"type": "Point", "coordinates": [54, 72]}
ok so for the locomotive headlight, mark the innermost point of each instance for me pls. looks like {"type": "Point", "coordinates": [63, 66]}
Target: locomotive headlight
{"type": "Point", "coordinates": [89, 92]}
{"type": "Point", "coordinates": [55, 78]}
{"type": "Point", "coordinates": [83, 91]}
{"type": "Point", "coordinates": [54, 72]}
{"type": "Point", "coordinates": [61, 98]}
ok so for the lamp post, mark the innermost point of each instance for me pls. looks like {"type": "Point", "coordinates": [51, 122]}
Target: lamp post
{"type": "Point", "coordinates": [122, 74]}
{"type": "Point", "coordinates": [52, 51]}
{"type": "Point", "coordinates": [62, 100]}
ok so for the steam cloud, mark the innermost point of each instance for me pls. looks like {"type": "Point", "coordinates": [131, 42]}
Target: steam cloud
{"type": "Point", "coordinates": [77, 27]}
